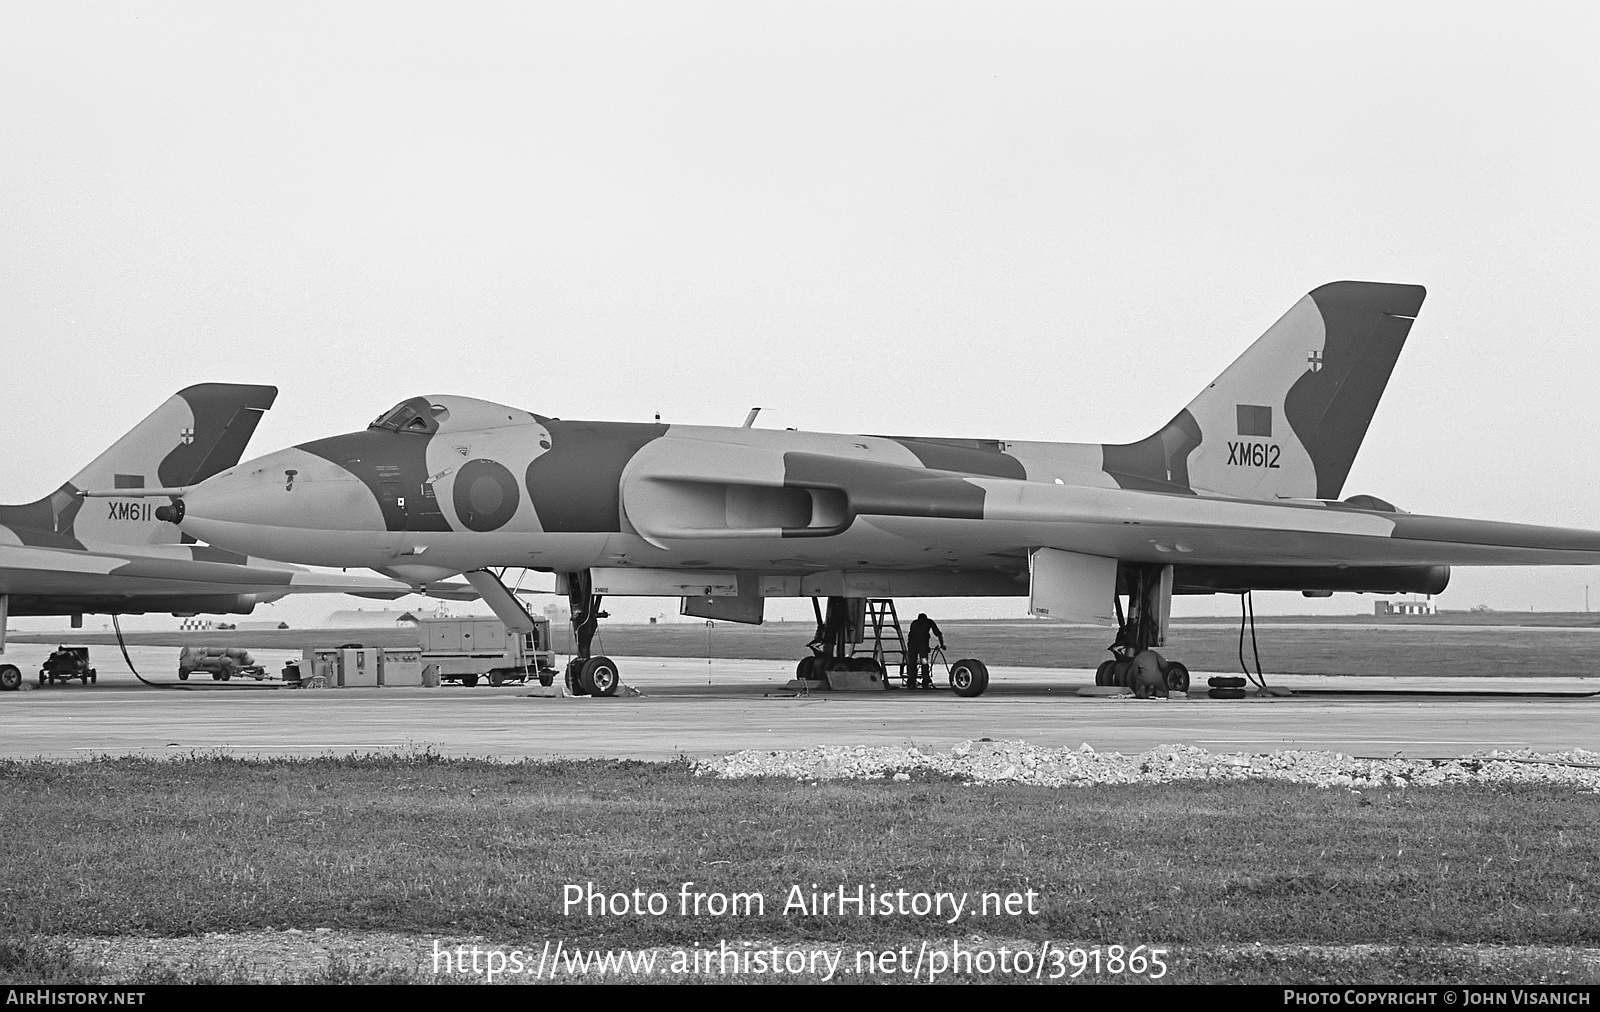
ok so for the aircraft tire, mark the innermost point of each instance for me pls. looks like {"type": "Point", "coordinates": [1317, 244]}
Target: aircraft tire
{"type": "Point", "coordinates": [183, 676]}
{"type": "Point", "coordinates": [601, 677]}
{"type": "Point", "coordinates": [1102, 674]}
{"type": "Point", "coordinates": [470, 681]}
{"type": "Point", "coordinates": [10, 677]}
{"type": "Point", "coordinates": [92, 676]}
{"type": "Point", "coordinates": [968, 678]}
{"type": "Point", "coordinates": [1177, 677]}
{"type": "Point", "coordinates": [574, 677]}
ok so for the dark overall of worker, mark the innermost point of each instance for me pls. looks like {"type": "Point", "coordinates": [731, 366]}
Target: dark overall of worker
{"type": "Point", "coordinates": [918, 671]}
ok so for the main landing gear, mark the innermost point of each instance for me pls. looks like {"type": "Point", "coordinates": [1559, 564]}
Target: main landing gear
{"type": "Point", "coordinates": [841, 645]}
{"type": "Point", "coordinates": [1135, 664]}
{"type": "Point", "coordinates": [588, 675]}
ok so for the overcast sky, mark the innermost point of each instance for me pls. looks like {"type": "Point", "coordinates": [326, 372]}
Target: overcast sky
{"type": "Point", "coordinates": [1034, 221]}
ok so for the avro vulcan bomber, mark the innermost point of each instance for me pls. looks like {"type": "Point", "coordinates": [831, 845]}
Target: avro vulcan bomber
{"type": "Point", "coordinates": [1240, 491]}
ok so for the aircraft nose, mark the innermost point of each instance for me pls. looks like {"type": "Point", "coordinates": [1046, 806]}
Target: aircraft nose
{"type": "Point", "coordinates": [262, 504]}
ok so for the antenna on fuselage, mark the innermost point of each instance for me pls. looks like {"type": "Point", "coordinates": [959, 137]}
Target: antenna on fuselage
{"type": "Point", "coordinates": [750, 419]}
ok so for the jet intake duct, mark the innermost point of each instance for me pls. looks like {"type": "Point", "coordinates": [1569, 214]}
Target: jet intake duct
{"type": "Point", "coordinates": [677, 489]}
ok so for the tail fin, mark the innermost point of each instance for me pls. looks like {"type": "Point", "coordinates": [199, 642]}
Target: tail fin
{"type": "Point", "coordinates": [1286, 418]}
{"type": "Point", "coordinates": [199, 431]}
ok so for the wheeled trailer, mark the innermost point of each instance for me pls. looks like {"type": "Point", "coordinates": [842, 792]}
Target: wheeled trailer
{"type": "Point", "coordinates": [66, 664]}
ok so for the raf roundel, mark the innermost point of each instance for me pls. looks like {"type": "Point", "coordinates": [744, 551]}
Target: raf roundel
{"type": "Point", "coordinates": [485, 495]}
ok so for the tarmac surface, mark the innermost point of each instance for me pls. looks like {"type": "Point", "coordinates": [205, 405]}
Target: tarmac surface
{"type": "Point", "coordinates": [702, 709]}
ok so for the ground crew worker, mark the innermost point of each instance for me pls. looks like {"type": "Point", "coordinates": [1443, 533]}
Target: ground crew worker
{"type": "Point", "coordinates": [917, 670]}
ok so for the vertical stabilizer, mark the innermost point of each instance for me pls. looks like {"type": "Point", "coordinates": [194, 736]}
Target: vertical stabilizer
{"type": "Point", "coordinates": [1286, 418]}
{"type": "Point", "coordinates": [199, 431]}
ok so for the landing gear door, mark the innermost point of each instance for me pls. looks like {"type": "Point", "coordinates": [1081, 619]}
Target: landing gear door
{"type": "Point", "coordinates": [747, 605]}
{"type": "Point", "coordinates": [1071, 587]}
{"type": "Point", "coordinates": [1163, 602]}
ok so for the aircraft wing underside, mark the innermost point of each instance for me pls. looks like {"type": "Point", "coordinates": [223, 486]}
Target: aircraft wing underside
{"type": "Point", "coordinates": [48, 572]}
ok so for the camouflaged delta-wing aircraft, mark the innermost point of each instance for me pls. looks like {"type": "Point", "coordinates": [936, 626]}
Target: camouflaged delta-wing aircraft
{"type": "Point", "coordinates": [68, 555]}
{"type": "Point", "coordinates": [1239, 491]}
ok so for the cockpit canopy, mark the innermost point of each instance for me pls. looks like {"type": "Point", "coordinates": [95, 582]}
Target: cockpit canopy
{"type": "Point", "coordinates": [415, 415]}
{"type": "Point", "coordinates": [430, 414]}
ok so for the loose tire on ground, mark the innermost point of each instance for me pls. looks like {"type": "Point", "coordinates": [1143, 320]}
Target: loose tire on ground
{"type": "Point", "coordinates": [1225, 693]}
{"type": "Point", "coordinates": [601, 676]}
{"type": "Point", "coordinates": [968, 678]}
{"type": "Point", "coordinates": [10, 677]}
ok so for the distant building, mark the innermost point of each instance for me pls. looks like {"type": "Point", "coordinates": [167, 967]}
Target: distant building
{"type": "Point", "coordinates": [360, 618]}
{"type": "Point", "coordinates": [1425, 607]}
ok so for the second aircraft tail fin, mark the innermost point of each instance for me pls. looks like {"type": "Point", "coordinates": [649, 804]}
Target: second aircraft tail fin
{"type": "Point", "coordinates": [197, 432]}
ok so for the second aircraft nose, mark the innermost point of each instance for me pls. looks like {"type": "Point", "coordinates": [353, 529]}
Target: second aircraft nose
{"type": "Point", "coordinates": [266, 506]}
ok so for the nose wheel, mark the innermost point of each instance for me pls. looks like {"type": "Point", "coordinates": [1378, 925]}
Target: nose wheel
{"type": "Point", "coordinates": [587, 674]}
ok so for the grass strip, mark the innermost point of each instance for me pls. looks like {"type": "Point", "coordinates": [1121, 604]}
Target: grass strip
{"type": "Point", "coordinates": [421, 845]}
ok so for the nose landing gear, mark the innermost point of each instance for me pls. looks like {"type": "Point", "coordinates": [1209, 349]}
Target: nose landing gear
{"type": "Point", "coordinates": [586, 674]}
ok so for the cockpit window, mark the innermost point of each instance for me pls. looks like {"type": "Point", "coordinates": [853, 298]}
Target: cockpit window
{"type": "Point", "coordinates": [414, 415]}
